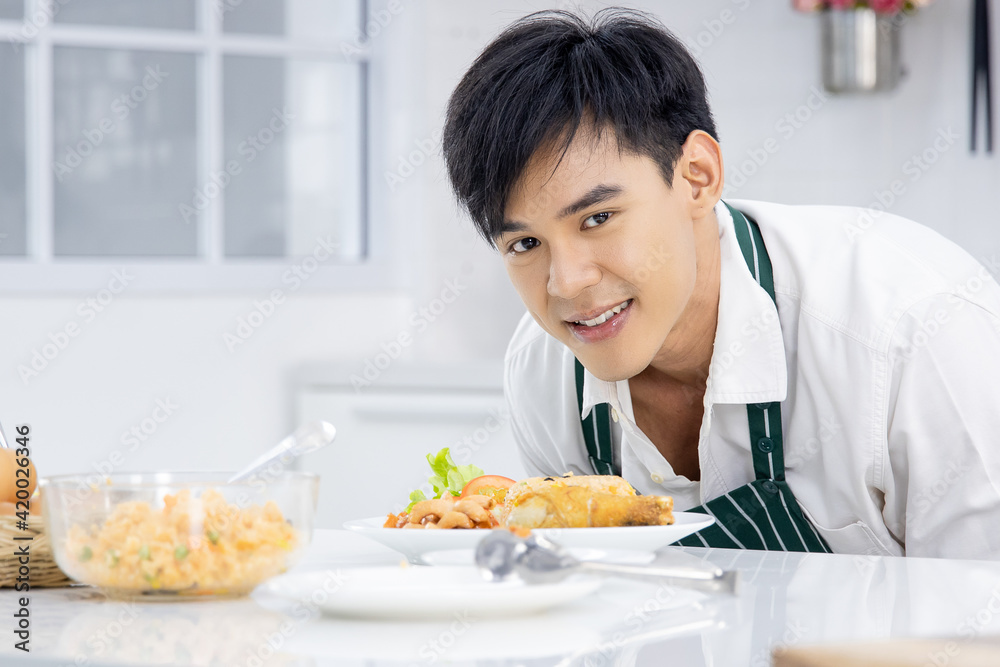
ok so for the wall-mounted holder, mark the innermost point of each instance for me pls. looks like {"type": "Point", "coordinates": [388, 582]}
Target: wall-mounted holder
{"type": "Point", "coordinates": [860, 51]}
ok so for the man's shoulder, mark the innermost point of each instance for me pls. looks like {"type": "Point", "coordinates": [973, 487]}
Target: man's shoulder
{"type": "Point", "coordinates": [853, 238]}
{"type": "Point", "coordinates": [540, 386]}
{"type": "Point", "coordinates": [862, 268]}
{"type": "Point", "coordinates": [526, 334]}
{"type": "Point", "coordinates": [534, 352]}
{"type": "Point", "coordinates": [539, 376]}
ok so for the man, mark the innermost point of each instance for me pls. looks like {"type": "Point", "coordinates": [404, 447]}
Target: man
{"type": "Point", "coordinates": [817, 378]}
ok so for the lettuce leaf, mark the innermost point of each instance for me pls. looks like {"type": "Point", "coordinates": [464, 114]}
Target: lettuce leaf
{"type": "Point", "coordinates": [447, 477]}
{"type": "Point", "coordinates": [415, 497]}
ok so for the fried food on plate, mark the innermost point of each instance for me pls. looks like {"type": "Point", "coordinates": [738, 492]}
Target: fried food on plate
{"type": "Point", "coordinates": [447, 512]}
{"type": "Point", "coordinates": [570, 501]}
{"type": "Point", "coordinates": [579, 506]}
{"type": "Point", "coordinates": [598, 483]}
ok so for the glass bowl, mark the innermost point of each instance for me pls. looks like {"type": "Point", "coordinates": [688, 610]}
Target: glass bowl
{"type": "Point", "coordinates": [178, 534]}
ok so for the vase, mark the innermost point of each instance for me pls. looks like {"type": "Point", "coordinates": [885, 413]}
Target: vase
{"type": "Point", "coordinates": [860, 51]}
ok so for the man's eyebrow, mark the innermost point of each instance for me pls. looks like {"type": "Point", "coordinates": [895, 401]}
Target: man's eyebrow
{"type": "Point", "coordinates": [596, 195]}
{"type": "Point", "coordinates": [508, 226]}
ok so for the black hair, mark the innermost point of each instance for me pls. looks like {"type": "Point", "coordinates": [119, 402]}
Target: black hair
{"type": "Point", "coordinates": [548, 73]}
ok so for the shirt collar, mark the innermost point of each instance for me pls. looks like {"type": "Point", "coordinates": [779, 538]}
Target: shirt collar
{"type": "Point", "coordinates": [748, 361]}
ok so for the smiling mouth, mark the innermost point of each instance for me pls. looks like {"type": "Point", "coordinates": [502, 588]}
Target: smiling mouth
{"type": "Point", "coordinates": [606, 315]}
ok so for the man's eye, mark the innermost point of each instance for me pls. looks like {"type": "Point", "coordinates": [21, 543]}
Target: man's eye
{"type": "Point", "coordinates": [522, 245]}
{"type": "Point", "coordinates": [596, 219]}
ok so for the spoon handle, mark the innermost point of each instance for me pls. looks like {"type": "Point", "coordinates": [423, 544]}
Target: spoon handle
{"type": "Point", "coordinates": [715, 581]}
{"type": "Point", "coordinates": [305, 439]}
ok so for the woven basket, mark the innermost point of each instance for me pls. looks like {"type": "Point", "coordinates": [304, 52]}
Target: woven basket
{"type": "Point", "coordinates": [44, 571]}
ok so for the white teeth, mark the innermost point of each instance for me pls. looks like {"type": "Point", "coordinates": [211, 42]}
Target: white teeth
{"type": "Point", "coordinates": [605, 316]}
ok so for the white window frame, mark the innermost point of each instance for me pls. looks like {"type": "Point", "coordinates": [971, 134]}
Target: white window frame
{"type": "Point", "coordinates": [39, 272]}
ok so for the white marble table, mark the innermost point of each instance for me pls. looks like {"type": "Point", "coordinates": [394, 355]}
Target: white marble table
{"type": "Point", "coordinates": [786, 599]}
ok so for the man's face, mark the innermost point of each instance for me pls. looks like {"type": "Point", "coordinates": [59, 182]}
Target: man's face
{"type": "Point", "coordinates": [601, 231]}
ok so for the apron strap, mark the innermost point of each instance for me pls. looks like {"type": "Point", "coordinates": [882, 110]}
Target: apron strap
{"type": "Point", "coordinates": [764, 418]}
{"type": "Point", "coordinates": [597, 431]}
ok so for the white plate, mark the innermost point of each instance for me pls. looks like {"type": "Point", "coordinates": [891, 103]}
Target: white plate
{"type": "Point", "coordinates": [415, 543]}
{"type": "Point", "coordinates": [617, 556]}
{"type": "Point", "coordinates": [416, 592]}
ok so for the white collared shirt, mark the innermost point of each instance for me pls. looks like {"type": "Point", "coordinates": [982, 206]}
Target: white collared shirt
{"type": "Point", "coordinates": [884, 352]}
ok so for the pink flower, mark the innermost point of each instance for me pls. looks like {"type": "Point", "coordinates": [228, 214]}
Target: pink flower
{"type": "Point", "coordinates": [886, 6]}
{"type": "Point", "coordinates": [880, 6]}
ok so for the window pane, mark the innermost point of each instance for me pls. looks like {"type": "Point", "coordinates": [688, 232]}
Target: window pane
{"type": "Point", "coordinates": [259, 17]}
{"type": "Point", "coordinates": [13, 225]}
{"type": "Point", "coordinates": [293, 150]}
{"type": "Point", "coordinates": [124, 151]}
{"type": "Point", "coordinates": [169, 14]}
{"type": "Point", "coordinates": [12, 9]}
{"type": "Point", "coordinates": [320, 19]}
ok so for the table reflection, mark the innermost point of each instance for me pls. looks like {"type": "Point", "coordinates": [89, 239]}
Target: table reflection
{"type": "Point", "coordinates": [785, 600]}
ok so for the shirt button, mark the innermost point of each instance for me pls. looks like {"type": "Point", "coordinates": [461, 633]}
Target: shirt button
{"type": "Point", "coordinates": [765, 445]}
{"type": "Point", "coordinates": [657, 478]}
{"type": "Point", "coordinates": [614, 415]}
{"type": "Point", "coordinates": [770, 486]}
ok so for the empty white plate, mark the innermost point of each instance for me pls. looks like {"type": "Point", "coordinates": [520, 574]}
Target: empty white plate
{"type": "Point", "coordinates": [417, 592]}
{"type": "Point", "coordinates": [618, 556]}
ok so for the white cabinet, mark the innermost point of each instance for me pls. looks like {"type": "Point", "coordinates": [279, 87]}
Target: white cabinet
{"type": "Point", "coordinates": [385, 430]}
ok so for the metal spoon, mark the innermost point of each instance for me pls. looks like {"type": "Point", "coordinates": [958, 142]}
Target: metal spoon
{"type": "Point", "coordinates": [305, 439]}
{"type": "Point", "coordinates": [537, 560]}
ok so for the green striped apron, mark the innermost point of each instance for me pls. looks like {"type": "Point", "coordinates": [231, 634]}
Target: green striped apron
{"type": "Point", "coordinates": [762, 514]}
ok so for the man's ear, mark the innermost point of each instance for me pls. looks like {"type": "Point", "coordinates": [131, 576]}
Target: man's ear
{"type": "Point", "coordinates": [700, 172]}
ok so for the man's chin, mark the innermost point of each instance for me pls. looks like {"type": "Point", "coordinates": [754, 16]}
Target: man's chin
{"type": "Point", "coordinates": [613, 371]}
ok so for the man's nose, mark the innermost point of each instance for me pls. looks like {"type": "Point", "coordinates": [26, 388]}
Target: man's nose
{"type": "Point", "coordinates": [571, 270]}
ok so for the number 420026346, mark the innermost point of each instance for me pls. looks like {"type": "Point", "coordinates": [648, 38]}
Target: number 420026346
{"type": "Point", "coordinates": [18, 478]}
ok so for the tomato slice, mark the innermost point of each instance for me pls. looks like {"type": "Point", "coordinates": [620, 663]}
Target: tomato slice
{"type": "Point", "coordinates": [494, 486]}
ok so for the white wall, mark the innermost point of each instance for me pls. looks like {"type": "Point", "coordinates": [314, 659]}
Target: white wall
{"type": "Point", "coordinates": [760, 67]}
